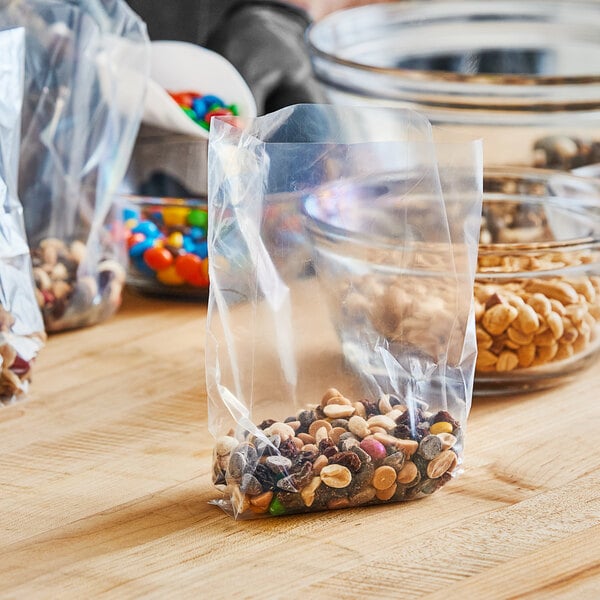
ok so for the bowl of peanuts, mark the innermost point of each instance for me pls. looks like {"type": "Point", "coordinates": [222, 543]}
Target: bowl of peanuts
{"type": "Point", "coordinates": [537, 286]}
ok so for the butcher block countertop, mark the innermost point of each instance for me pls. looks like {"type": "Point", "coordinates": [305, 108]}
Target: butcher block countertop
{"type": "Point", "coordinates": [105, 487]}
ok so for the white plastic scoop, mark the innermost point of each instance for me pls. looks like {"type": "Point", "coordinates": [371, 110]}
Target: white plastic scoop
{"type": "Point", "coordinates": [179, 66]}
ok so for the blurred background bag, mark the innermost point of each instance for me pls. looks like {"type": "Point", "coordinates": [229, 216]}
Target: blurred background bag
{"type": "Point", "coordinates": [86, 68]}
{"type": "Point", "coordinates": [21, 327]}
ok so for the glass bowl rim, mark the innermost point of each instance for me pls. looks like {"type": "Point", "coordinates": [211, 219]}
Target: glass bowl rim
{"type": "Point", "coordinates": [490, 80]}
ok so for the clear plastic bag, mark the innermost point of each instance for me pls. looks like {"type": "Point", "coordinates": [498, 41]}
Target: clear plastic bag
{"type": "Point", "coordinates": [21, 327]}
{"type": "Point", "coordinates": [341, 340]}
{"type": "Point", "coordinates": [86, 67]}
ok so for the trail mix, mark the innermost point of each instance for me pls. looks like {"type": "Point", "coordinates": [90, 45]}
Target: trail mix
{"type": "Point", "coordinates": [565, 152]}
{"type": "Point", "coordinates": [338, 454]}
{"type": "Point", "coordinates": [15, 370]}
{"type": "Point", "coordinates": [66, 299]}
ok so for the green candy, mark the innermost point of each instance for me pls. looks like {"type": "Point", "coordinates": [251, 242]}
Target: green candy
{"type": "Point", "coordinates": [276, 508]}
{"type": "Point", "coordinates": [198, 218]}
{"type": "Point", "coordinates": [189, 112]}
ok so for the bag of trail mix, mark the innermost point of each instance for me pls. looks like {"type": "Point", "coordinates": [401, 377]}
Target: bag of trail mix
{"type": "Point", "coordinates": [341, 340]}
{"type": "Point", "coordinates": [86, 66]}
{"type": "Point", "coordinates": [21, 327]}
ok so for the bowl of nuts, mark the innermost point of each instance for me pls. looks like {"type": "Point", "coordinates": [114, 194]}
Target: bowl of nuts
{"type": "Point", "coordinates": [523, 76]}
{"type": "Point", "coordinates": [537, 286]}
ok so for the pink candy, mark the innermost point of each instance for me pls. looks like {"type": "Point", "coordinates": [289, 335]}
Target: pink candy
{"type": "Point", "coordinates": [376, 450]}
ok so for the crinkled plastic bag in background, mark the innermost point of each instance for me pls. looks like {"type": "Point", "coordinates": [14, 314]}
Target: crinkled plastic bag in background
{"type": "Point", "coordinates": [87, 64]}
{"type": "Point", "coordinates": [341, 341]}
{"type": "Point", "coordinates": [21, 327]}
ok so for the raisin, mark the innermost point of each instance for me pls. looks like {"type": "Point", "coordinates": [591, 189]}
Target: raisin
{"type": "Point", "coordinates": [288, 449]}
{"type": "Point", "coordinates": [444, 415]}
{"type": "Point", "coordinates": [350, 460]}
{"type": "Point", "coordinates": [371, 408]}
{"type": "Point", "coordinates": [402, 432]}
{"type": "Point", "coordinates": [324, 444]}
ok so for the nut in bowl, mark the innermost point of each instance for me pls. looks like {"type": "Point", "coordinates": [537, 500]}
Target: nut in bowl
{"type": "Point", "coordinates": [167, 248]}
{"type": "Point", "coordinates": [537, 288]}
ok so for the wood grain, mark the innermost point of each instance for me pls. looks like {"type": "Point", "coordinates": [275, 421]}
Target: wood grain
{"type": "Point", "coordinates": [104, 490]}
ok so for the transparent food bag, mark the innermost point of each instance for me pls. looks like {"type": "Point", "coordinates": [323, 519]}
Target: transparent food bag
{"type": "Point", "coordinates": [341, 339]}
{"type": "Point", "coordinates": [85, 73]}
{"type": "Point", "coordinates": [21, 327]}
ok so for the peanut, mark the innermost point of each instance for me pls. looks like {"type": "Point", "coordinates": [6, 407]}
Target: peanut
{"type": "Point", "coordinates": [527, 319]}
{"type": "Point", "coordinates": [308, 491]}
{"type": "Point", "coordinates": [518, 337]}
{"type": "Point", "coordinates": [381, 421]}
{"type": "Point", "coordinates": [484, 339]}
{"type": "Point", "coordinates": [336, 476]}
{"type": "Point", "coordinates": [540, 304]}
{"type": "Point", "coordinates": [446, 461]}
{"type": "Point", "coordinates": [315, 425]}
{"type": "Point", "coordinates": [383, 477]}
{"type": "Point", "coordinates": [329, 394]}
{"type": "Point", "coordinates": [559, 290]}
{"type": "Point", "coordinates": [358, 426]}
{"type": "Point", "coordinates": [586, 288]}
{"type": "Point", "coordinates": [497, 318]}
{"type": "Point", "coordinates": [555, 324]}
{"type": "Point", "coordinates": [387, 493]}
{"type": "Point", "coordinates": [338, 411]}
{"type": "Point", "coordinates": [507, 361]}
{"type": "Point", "coordinates": [486, 359]}
{"type": "Point", "coordinates": [526, 355]}
{"type": "Point", "coordinates": [408, 473]}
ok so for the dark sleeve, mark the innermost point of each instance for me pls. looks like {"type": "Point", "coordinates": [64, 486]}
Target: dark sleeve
{"type": "Point", "coordinates": [265, 42]}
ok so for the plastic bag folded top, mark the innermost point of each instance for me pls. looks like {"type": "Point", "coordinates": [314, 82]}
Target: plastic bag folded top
{"type": "Point", "coordinates": [21, 326]}
{"type": "Point", "coordinates": [86, 69]}
{"type": "Point", "coordinates": [342, 252]}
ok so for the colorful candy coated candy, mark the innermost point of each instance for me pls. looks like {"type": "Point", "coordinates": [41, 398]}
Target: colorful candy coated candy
{"type": "Point", "coordinates": [216, 112]}
{"type": "Point", "coordinates": [204, 269]}
{"type": "Point", "coordinates": [189, 267]}
{"type": "Point", "coordinates": [135, 238]}
{"type": "Point", "coordinates": [183, 98]}
{"type": "Point", "coordinates": [175, 239]}
{"type": "Point", "coordinates": [198, 218]}
{"type": "Point", "coordinates": [175, 216]}
{"type": "Point", "coordinates": [141, 247]}
{"type": "Point", "coordinates": [201, 249]}
{"type": "Point", "coordinates": [170, 276]}
{"type": "Point", "coordinates": [202, 108]}
{"type": "Point", "coordinates": [276, 508]}
{"type": "Point", "coordinates": [148, 228]}
{"type": "Point", "coordinates": [158, 258]}
{"type": "Point", "coordinates": [168, 244]}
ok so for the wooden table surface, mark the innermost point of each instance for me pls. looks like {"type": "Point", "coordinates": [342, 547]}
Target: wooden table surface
{"type": "Point", "coordinates": [104, 490]}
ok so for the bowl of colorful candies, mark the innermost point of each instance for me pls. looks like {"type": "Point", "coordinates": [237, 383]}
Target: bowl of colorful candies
{"type": "Point", "coordinates": [166, 245]}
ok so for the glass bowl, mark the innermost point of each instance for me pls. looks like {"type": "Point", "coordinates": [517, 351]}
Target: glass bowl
{"type": "Point", "coordinates": [166, 245]}
{"type": "Point", "coordinates": [383, 255]}
{"type": "Point", "coordinates": [537, 287]}
{"type": "Point", "coordinates": [524, 76]}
